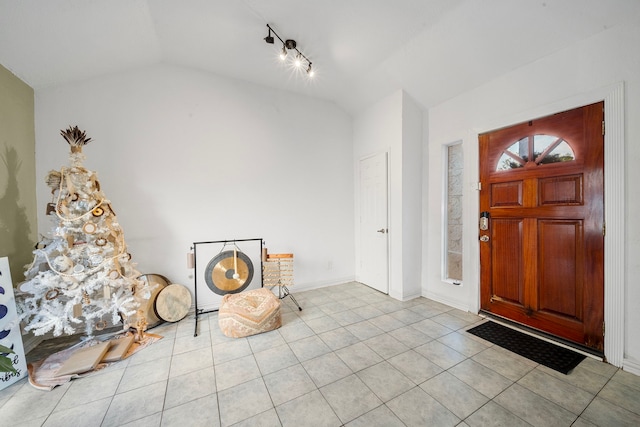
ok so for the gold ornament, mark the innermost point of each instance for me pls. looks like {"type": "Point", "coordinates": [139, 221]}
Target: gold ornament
{"type": "Point", "coordinates": [89, 228]}
{"type": "Point", "coordinates": [101, 324]}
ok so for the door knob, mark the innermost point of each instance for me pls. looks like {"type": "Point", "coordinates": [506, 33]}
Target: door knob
{"type": "Point", "coordinates": [484, 238]}
{"type": "Point", "coordinates": [382, 230]}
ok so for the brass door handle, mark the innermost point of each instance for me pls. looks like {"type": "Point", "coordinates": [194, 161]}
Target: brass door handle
{"type": "Point", "coordinates": [484, 238]}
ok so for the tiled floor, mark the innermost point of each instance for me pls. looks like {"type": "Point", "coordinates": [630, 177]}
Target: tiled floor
{"type": "Point", "coordinates": [352, 357]}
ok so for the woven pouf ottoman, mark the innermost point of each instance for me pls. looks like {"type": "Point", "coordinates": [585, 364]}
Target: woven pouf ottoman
{"type": "Point", "coordinates": [249, 313]}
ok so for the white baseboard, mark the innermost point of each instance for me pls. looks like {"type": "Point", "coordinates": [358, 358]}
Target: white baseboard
{"type": "Point", "coordinates": [410, 297]}
{"type": "Point", "coordinates": [631, 367]}
{"type": "Point", "coordinates": [301, 287]}
{"type": "Point", "coordinates": [446, 301]}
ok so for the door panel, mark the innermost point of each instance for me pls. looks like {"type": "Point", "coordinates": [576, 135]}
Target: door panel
{"type": "Point", "coordinates": [507, 280]}
{"type": "Point", "coordinates": [374, 270]}
{"type": "Point", "coordinates": [561, 248]}
{"type": "Point", "coordinates": [506, 194]}
{"type": "Point", "coordinates": [542, 258]}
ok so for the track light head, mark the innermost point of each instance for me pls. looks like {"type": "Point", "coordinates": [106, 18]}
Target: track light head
{"type": "Point", "coordinates": [269, 38]}
{"type": "Point", "coordinates": [283, 53]}
{"type": "Point", "coordinates": [290, 44]}
{"type": "Point", "coordinates": [310, 71]}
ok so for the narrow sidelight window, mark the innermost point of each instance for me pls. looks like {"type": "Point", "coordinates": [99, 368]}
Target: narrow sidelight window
{"type": "Point", "coordinates": [453, 221]}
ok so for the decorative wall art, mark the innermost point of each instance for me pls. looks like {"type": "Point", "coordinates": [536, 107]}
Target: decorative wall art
{"type": "Point", "coordinates": [13, 366]}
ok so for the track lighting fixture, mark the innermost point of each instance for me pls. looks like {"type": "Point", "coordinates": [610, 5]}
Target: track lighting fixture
{"type": "Point", "coordinates": [289, 44]}
{"type": "Point", "coordinates": [269, 38]}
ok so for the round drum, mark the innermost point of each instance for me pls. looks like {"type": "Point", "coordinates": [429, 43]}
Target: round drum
{"type": "Point", "coordinates": [147, 306]}
{"type": "Point", "coordinates": [173, 303]}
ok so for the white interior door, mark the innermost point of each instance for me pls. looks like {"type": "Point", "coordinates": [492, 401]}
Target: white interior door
{"type": "Point", "coordinates": [374, 260]}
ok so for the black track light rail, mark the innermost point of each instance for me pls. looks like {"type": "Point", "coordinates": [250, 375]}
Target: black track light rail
{"type": "Point", "coordinates": [289, 44]}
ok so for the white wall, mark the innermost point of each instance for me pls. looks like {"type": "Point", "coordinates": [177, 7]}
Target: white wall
{"type": "Point", "coordinates": [411, 198]}
{"type": "Point", "coordinates": [394, 125]}
{"type": "Point", "coordinates": [378, 129]}
{"type": "Point", "coordinates": [186, 156]}
{"type": "Point", "coordinates": [569, 78]}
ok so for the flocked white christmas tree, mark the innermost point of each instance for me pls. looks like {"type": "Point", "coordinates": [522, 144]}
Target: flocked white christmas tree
{"type": "Point", "coordinates": [82, 274]}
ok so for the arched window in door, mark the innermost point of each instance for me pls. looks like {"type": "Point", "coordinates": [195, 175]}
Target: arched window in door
{"type": "Point", "coordinates": [534, 150]}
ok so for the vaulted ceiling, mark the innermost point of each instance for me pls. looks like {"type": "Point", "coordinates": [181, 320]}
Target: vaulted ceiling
{"type": "Point", "coordinates": [361, 49]}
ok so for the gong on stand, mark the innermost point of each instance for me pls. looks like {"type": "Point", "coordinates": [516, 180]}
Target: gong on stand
{"type": "Point", "coordinates": [227, 270]}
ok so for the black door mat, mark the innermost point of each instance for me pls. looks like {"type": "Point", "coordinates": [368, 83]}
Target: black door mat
{"type": "Point", "coordinates": [545, 353]}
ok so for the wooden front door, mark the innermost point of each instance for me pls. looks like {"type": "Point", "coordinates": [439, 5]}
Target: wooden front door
{"type": "Point", "coordinates": [542, 249]}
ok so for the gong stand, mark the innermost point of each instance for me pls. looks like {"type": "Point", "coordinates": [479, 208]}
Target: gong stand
{"type": "Point", "coordinates": [228, 272]}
